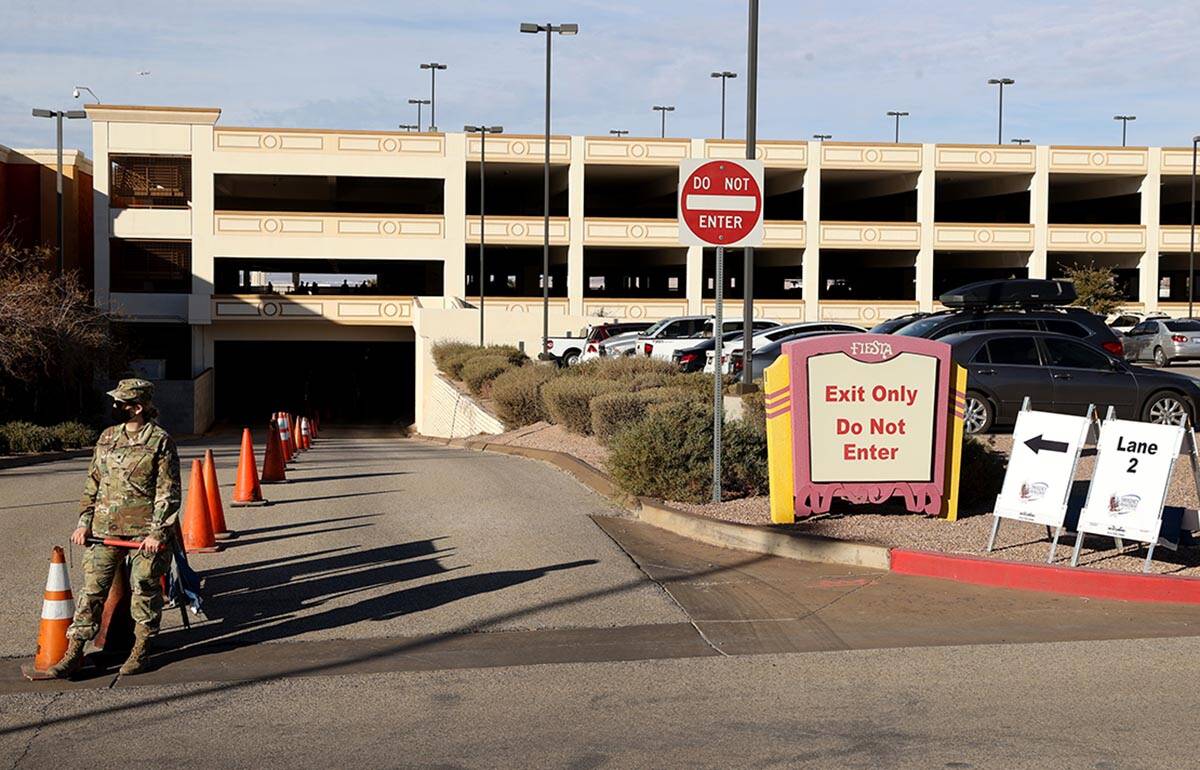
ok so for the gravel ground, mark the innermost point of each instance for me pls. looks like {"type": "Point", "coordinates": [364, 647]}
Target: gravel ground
{"type": "Point", "coordinates": [543, 435]}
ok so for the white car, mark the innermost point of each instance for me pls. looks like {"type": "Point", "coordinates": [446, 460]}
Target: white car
{"type": "Point", "coordinates": [664, 338]}
{"type": "Point", "coordinates": [618, 345]}
{"type": "Point", "coordinates": [1122, 322]}
{"type": "Point", "coordinates": [768, 336]}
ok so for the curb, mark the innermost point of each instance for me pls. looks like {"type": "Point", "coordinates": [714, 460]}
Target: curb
{"type": "Point", "coordinates": [20, 461]}
{"type": "Point", "coordinates": [1047, 578]}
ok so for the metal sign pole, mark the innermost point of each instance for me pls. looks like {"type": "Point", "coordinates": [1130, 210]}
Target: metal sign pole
{"type": "Point", "coordinates": [718, 329]}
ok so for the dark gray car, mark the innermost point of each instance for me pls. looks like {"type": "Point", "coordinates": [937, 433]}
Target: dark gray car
{"type": "Point", "coordinates": [1062, 374]}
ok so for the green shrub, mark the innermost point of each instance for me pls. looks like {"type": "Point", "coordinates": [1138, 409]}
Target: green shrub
{"type": "Point", "coordinates": [668, 454]}
{"type": "Point", "coordinates": [479, 371]}
{"type": "Point", "coordinates": [981, 475]}
{"type": "Point", "coordinates": [517, 394]}
{"type": "Point", "coordinates": [754, 411]}
{"type": "Point", "coordinates": [443, 351]}
{"type": "Point", "coordinates": [569, 401]}
{"type": "Point", "coordinates": [509, 353]}
{"type": "Point", "coordinates": [623, 368]}
{"type": "Point", "coordinates": [613, 412]}
{"type": "Point", "coordinates": [24, 437]}
{"type": "Point", "coordinates": [456, 361]}
{"type": "Point", "coordinates": [74, 435]}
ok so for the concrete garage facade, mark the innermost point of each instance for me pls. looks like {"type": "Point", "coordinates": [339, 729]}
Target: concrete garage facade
{"type": "Point", "coordinates": [193, 218]}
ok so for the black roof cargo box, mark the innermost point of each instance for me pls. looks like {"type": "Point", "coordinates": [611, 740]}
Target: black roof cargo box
{"type": "Point", "coordinates": [1017, 291]}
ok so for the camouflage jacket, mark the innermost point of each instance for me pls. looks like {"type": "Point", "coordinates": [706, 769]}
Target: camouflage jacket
{"type": "Point", "coordinates": [133, 486]}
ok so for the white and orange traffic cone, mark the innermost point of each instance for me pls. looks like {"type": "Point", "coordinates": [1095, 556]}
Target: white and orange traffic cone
{"type": "Point", "coordinates": [58, 607]}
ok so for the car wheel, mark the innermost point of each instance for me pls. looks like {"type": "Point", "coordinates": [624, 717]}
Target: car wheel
{"type": "Point", "coordinates": [1167, 409]}
{"type": "Point", "coordinates": [1160, 358]}
{"type": "Point", "coordinates": [571, 358]}
{"type": "Point", "coordinates": [978, 414]}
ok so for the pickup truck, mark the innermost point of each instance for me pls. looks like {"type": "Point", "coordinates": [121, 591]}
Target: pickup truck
{"type": "Point", "coordinates": [670, 334]}
{"type": "Point", "coordinates": [570, 350]}
{"type": "Point", "coordinates": [763, 338]}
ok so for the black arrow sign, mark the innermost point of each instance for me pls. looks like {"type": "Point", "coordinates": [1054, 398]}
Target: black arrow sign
{"type": "Point", "coordinates": [1038, 443]}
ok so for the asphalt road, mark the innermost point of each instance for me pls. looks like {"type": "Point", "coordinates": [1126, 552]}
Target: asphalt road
{"type": "Point", "coordinates": [404, 604]}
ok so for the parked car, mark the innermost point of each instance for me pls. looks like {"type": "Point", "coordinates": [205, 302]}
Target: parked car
{"type": "Point", "coordinates": [1060, 373]}
{"type": "Point", "coordinates": [693, 357]}
{"type": "Point", "coordinates": [768, 336]}
{"type": "Point", "coordinates": [569, 350]}
{"type": "Point", "coordinates": [1124, 321]}
{"type": "Point", "coordinates": [661, 341]}
{"type": "Point", "coordinates": [1025, 305]}
{"type": "Point", "coordinates": [892, 324]}
{"type": "Point", "coordinates": [764, 356]}
{"type": "Point", "coordinates": [619, 345]}
{"type": "Point", "coordinates": [602, 332]}
{"type": "Point", "coordinates": [1163, 341]}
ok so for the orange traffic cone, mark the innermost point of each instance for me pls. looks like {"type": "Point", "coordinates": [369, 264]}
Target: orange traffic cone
{"type": "Point", "coordinates": [316, 425]}
{"type": "Point", "coordinates": [285, 442]}
{"type": "Point", "coordinates": [58, 607]}
{"type": "Point", "coordinates": [305, 434]}
{"type": "Point", "coordinates": [247, 491]}
{"type": "Point", "coordinates": [212, 491]}
{"type": "Point", "coordinates": [273, 472]}
{"type": "Point", "coordinates": [294, 433]}
{"type": "Point", "coordinates": [197, 525]}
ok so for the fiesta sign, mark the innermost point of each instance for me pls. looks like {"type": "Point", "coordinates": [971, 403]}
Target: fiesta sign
{"type": "Point", "coordinates": [863, 417]}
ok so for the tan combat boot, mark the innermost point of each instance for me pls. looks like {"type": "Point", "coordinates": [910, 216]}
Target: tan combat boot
{"type": "Point", "coordinates": [139, 655]}
{"type": "Point", "coordinates": [72, 660]}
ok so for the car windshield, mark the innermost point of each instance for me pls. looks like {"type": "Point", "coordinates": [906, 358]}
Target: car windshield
{"type": "Point", "coordinates": [920, 328]}
{"type": "Point", "coordinates": [654, 329]}
{"type": "Point", "coordinates": [1186, 325]}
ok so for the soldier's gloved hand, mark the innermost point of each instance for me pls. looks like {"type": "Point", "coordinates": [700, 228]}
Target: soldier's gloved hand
{"type": "Point", "coordinates": [80, 536]}
{"type": "Point", "coordinates": [151, 545]}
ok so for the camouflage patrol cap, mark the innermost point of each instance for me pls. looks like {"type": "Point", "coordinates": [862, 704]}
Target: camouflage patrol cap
{"type": "Point", "coordinates": [135, 391]}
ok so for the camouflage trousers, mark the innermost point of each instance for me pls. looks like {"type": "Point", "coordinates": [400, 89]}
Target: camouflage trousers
{"type": "Point", "coordinates": [100, 564]}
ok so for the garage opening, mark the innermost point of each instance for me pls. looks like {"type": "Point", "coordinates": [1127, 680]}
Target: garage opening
{"type": "Point", "coordinates": [346, 383]}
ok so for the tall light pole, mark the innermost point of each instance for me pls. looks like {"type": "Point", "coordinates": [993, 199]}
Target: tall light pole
{"type": "Point", "coordinates": [618, 132]}
{"type": "Point", "coordinates": [1124, 124]}
{"type": "Point", "coordinates": [724, 75]}
{"type": "Point", "coordinates": [1192, 237]}
{"type": "Point", "coordinates": [822, 137]}
{"type": "Point", "coordinates": [1020, 141]}
{"type": "Point", "coordinates": [483, 131]}
{"type": "Point", "coordinates": [419, 102]}
{"type": "Point", "coordinates": [78, 89]}
{"type": "Point", "coordinates": [663, 110]}
{"type": "Point", "coordinates": [751, 153]}
{"type": "Point", "coordinates": [58, 116]}
{"type": "Point", "coordinates": [1002, 82]}
{"type": "Point", "coordinates": [550, 30]}
{"type": "Point", "coordinates": [897, 115]}
{"type": "Point", "coordinates": [433, 68]}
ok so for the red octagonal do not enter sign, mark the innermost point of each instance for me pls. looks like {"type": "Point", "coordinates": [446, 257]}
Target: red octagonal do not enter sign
{"type": "Point", "coordinates": [720, 202]}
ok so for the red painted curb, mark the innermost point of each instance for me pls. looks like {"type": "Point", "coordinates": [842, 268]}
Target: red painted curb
{"type": "Point", "coordinates": [1092, 583]}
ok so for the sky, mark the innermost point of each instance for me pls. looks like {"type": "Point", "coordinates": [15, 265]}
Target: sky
{"type": "Point", "coordinates": [824, 66]}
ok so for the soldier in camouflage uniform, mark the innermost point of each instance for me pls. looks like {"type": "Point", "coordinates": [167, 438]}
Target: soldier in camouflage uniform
{"type": "Point", "coordinates": [132, 492]}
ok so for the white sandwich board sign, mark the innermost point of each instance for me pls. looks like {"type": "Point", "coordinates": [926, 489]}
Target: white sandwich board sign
{"type": "Point", "coordinates": [1041, 470]}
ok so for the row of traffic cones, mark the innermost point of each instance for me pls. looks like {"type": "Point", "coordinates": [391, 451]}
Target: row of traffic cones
{"type": "Point", "coordinates": [203, 523]}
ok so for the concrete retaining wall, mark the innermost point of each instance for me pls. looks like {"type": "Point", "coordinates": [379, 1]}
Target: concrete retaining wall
{"type": "Point", "coordinates": [185, 407]}
{"type": "Point", "coordinates": [449, 413]}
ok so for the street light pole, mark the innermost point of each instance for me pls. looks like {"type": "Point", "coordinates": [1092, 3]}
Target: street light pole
{"type": "Point", "coordinates": [483, 131]}
{"type": "Point", "coordinates": [433, 68]}
{"type": "Point", "coordinates": [1192, 237]}
{"type": "Point", "coordinates": [419, 102]}
{"type": "Point", "coordinates": [1124, 124]}
{"type": "Point", "coordinates": [663, 110]}
{"type": "Point", "coordinates": [751, 153]}
{"type": "Point", "coordinates": [1002, 82]}
{"type": "Point", "coordinates": [724, 76]}
{"type": "Point", "coordinates": [58, 116]}
{"type": "Point", "coordinates": [549, 29]}
{"type": "Point", "coordinates": [897, 116]}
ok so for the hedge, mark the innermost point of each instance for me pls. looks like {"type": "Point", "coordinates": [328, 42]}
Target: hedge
{"type": "Point", "coordinates": [568, 401]}
{"type": "Point", "coordinates": [479, 371]}
{"type": "Point", "coordinates": [517, 394]}
{"type": "Point", "coordinates": [623, 368]}
{"type": "Point", "coordinates": [24, 437]}
{"type": "Point", "coordinates": [443, 351]}
{"type": "Point", "coordinates": [74, 435]}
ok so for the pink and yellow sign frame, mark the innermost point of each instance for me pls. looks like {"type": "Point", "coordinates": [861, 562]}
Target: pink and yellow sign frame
{"type": "Point", "coordinates": [799, 439]}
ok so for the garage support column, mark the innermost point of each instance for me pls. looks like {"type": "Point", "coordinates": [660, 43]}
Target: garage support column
{"type": "Point", "coordinates": [1039, 211]}
{"type": "Point", "coordinates": [1148, 264]}
{"type": "Point", "coordinates": [575, 267]}
{"type": "Point", "coordinates": [453, 252]}
{"type": "Point", "coordinates": [925, 214]}
{"type": "Point", "coordinates": [810, 268]}
{"type": "Point", "coordinates": [100, 213]}
{"type": "Point", "coordinates": [203, 270]}
{"type": "Point", "coordinates": [694, 279]}
{"type": "Point", "coordinates": [202, 348]}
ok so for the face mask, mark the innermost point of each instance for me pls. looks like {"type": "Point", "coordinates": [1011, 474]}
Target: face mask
{"type": "Point", "coordinates": [121, 412]}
